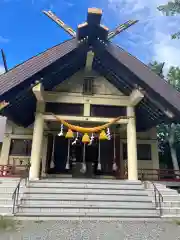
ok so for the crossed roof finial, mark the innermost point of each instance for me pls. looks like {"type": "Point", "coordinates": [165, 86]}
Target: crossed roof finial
{"type": "Point", "coordinates": [94, 17]}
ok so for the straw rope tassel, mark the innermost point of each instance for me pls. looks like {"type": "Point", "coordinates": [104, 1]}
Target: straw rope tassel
{"type": "Point", "coordinates": [52, 154]}
{"type": "Point", "coordinates": [99, 157]}
{"type": "Point", "coordinates": [68, 155]}
{"type": "Point", "coordinates": [84, 155]}
{"type": "Point", "coordinates": [114, 167]}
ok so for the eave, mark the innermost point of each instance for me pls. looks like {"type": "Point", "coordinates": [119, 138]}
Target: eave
{"type": "Point", "coordinates": [25, 102]}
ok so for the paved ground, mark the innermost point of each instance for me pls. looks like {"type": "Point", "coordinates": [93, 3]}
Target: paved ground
{"type": "Point", "coordinates": [92, 230]}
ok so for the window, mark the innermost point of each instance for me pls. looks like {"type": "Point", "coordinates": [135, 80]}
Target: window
{"type": "Point", "coordinates": [143, 151]}
{"type": "Point", "coordinates": [107, 111]}
{"type": "Point", "coordinates": [65, 109]}
{"type": "Point", "coordinates": [20, 147]}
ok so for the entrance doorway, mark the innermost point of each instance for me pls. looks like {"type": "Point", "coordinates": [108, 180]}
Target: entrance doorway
{"type": "Point", "coordinates": [58, 152]}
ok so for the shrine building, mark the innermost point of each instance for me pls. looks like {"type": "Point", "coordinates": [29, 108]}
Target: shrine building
{"type": "Point", "coordinates": [85, 108]}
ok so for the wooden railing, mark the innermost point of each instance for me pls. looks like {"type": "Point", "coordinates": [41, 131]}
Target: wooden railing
{"type": "Point", "coordinates": [143, 174]}
{"type": "Point", "coordinates": [13, 170]}
{"type": "Point", "coordinates": [159, 174]}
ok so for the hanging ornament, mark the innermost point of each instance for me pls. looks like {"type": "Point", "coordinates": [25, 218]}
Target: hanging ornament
{"type": "Point", "coordinates": [103, 136]}
{"type": "Point", "coordinates": [85, 138]}
{"type": "Point", "coordinates": [108, 134]}
{"type": "Point", "coordinates": [67, 166]}
{"type": "Point", "coordinates": [91, 139]}
{"type": "Point", "coordinates": [99, 157]}
{"type": "Point", "coordinates": [52, 153]}
{"type": "Point", "coordinates": [83, 169]}
{"type": "Point", "coordinates": [76, 139]}
{"type": "Point", "coordinates": [114, 166]}
{"type": "Point", "coordinates": [61, 131]}
{"type": "Point", "coordinates": [69, 134]}
{"type": "Point", "coordinates": [68, 155]}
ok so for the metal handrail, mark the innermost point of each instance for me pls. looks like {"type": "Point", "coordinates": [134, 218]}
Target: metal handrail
{"type": "Point", "coordinates": [157, 197]}
{"type": "Point", "coordinates": [15, 195]}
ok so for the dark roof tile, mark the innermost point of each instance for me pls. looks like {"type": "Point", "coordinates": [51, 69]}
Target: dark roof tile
{"type": "Point", "coordinates": [21, 72]}
{"type": "Point", "coordinates": [154, 82]}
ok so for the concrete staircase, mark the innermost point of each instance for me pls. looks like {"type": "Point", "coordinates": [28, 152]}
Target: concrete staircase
{"type": "Point", "coordinates": [7, 187]}
{"type": "Point", "coordinates": [53, 199]}
{"type": "Point", "coordinates": [171, 200]}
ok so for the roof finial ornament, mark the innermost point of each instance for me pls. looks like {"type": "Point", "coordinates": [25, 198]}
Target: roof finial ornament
{"type": "Point", "coordinates": [4, 60]}
{"type": "Point", "coordinates": [93, 18]}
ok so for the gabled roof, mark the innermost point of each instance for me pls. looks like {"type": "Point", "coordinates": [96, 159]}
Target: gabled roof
{"type": "Point", "coordinates": [60, 62]}
{"type": "Point", "coordinates": [128, 68]}
{"type": "Point", "coordinates": [19, 74]}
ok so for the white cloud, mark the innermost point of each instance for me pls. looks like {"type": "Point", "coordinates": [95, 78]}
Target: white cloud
{"type": "Point", "coordinates": [153, 32]}
{"type": "Point", "coordinates": [2, 70]}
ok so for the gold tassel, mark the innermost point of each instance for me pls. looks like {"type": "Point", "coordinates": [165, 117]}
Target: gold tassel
{"type": "Point", "coordinates": [103, 136]}
{"type": "Point", "coordinates": [69, 134]}
{"type": "Point", "coordinates": [85, 138]}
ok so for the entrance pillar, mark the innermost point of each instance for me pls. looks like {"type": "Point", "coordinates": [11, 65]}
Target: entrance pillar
{"type": "Point", "coordinates": [132, 145]}
{"type": "Point", "coordinates": [36, 150]}
{"type": "Point", "coordinates": [4, 159]}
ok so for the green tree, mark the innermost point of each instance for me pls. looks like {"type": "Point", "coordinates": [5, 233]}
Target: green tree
{"type": "Point", "coordinates": [157, 68]}
{"type": "Point", "coordinates": [169, 133]}
{"type": "Point", "coordinates": [172, 8]}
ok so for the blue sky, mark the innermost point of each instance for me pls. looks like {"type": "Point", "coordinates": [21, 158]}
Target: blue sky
{"type": "Point", "coordinates": [26, 31]}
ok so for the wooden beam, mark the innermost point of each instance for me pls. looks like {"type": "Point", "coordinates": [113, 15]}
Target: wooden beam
{"type": "Point", "coordinates": [38, 91]}
{"type": "Point", "coordinates": [135, 97]}
{"type": "Point", "coordinates": [4, 61]}
{"type": "Point", "coordinates": [84, 24]}
{"type": "Point", "coordinates": [74, 98]}
{"type": "Point", "coordinates": [49, 117]}
{"type": "Point", "coordinates": [89, 61]}
{"type": "Point", "coordinates": [120, 28]}
{"type": "Point", "coordinates": [87, 110]}
{"type": "Point", "coordinates": [95, 11]}
{"type": "Point", "coordinates": [67, 28]}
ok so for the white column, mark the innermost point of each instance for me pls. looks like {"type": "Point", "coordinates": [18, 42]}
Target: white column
{"type": "Point", "coordinates": [132, 146]}
{"type": "Point", "coordinates": [36, 150]}
{"type": "Point", "coordinates": [5, 149]}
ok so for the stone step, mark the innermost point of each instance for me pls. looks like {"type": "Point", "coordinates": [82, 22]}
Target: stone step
{"type": "Point", "coordinates": [170, 211]}
{"type": "Point", "coordinates": [92, 197]}
{"type": "Point", "coordinates": [171, 204]}
{"type": "Point", "coordinates": [6, 201]}
{"type": "Point", "coordinates": [53, 185]}
{"type": "Point", "coordinates": [171, 216]}
{"type": "Point", "coordinates": [5, 209]}
{"type": "Point", "coordinates": [4, 190]}
{"type": "Point", "coordinates": [85, 180]}
{"type": "Point", "coordinates": [170, 198]}
{"type": "Point", "coordinates": [9, 193]}
{"type": "Point", "coordinates": [88, 204]}
{"type": "Point", "coordinates": [92, 191]}
{"type": "Point", "coordinates": [9, 180]}
{"type": "Point", "coordinates": [35, 217]}
{"type": "Point", "coordinates": [164, 191]}
{"type": "Point", "coordinates": [87, 212]}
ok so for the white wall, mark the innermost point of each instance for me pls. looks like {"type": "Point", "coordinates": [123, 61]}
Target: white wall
{"type": "Point", "coordinates": [75, 84]}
